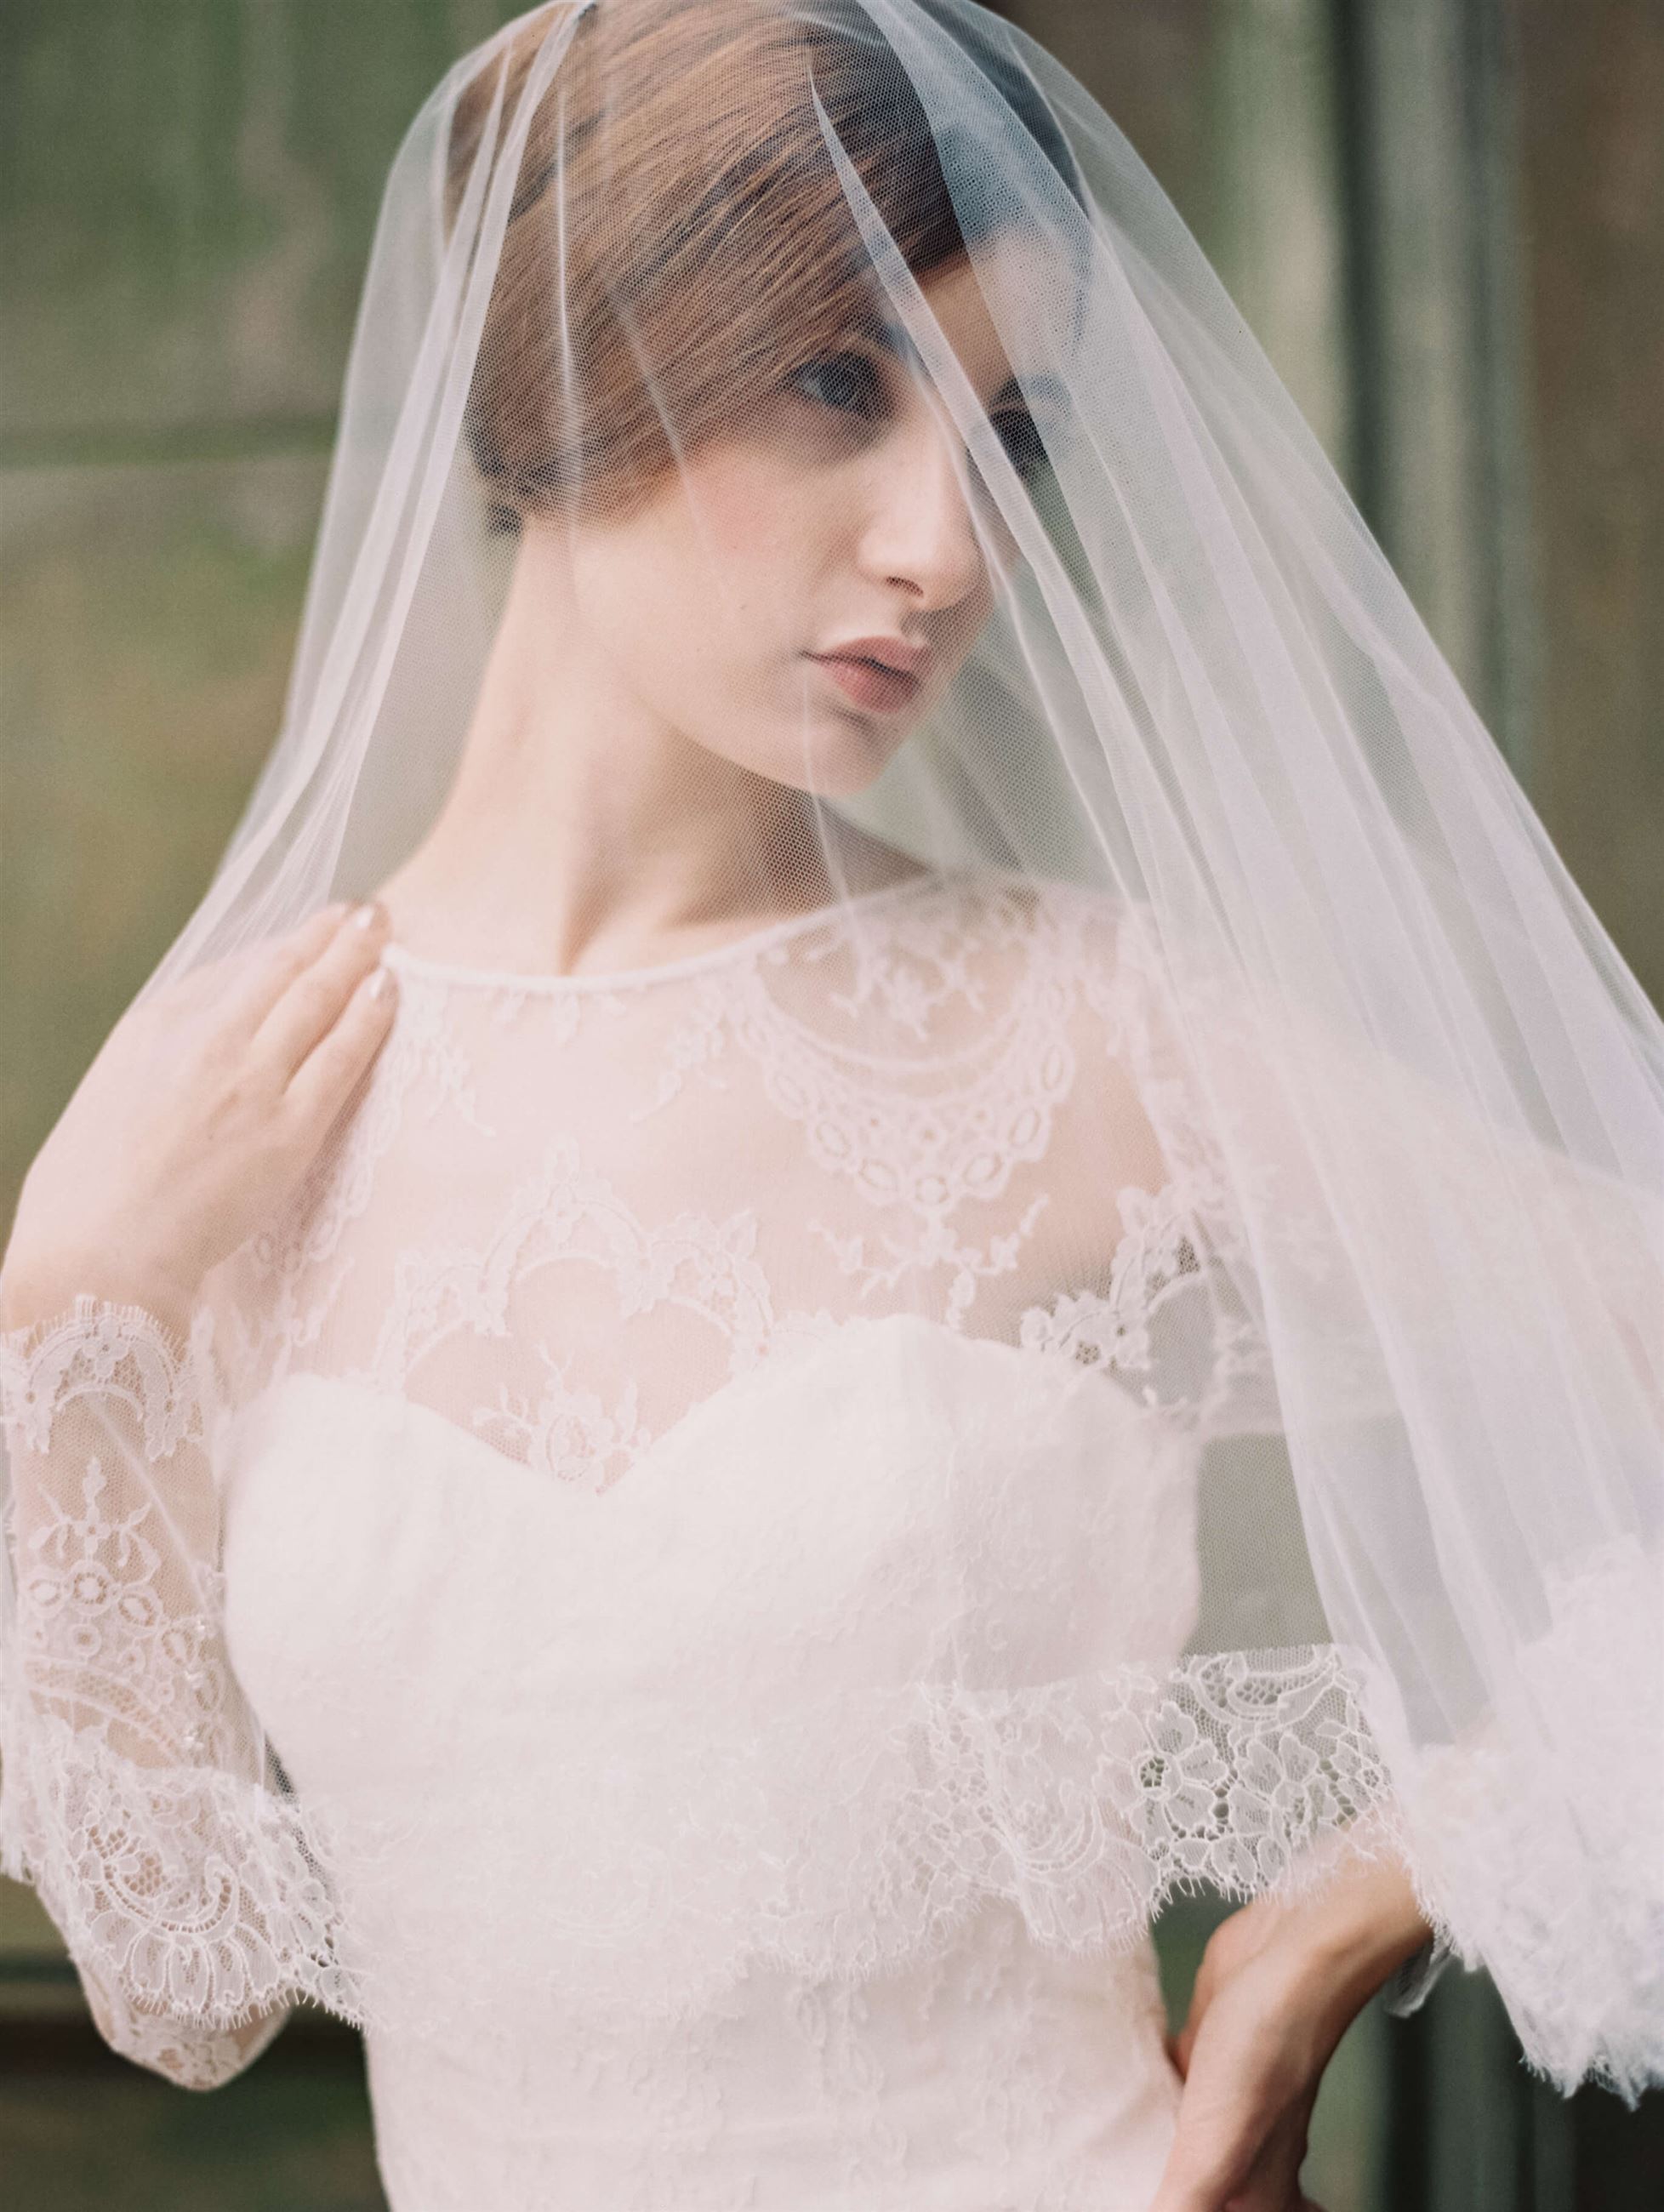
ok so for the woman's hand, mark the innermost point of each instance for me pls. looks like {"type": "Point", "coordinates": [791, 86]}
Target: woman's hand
{"type": "Point", "coordinates": [1278, 1984]}
{"type": "Point", "coordinates": [203, 1108]}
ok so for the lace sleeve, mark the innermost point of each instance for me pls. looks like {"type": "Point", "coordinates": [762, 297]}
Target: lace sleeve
{"type": "Point", "coordinates": [135, 1797]}
{"type": "Point", "coordinates": [1176, 1312]}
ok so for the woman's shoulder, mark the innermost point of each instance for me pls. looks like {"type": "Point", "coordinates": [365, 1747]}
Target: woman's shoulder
{"type": "Point", "coordinates": [976, 966]}
{"type": "Point", "coordinates": [1004, 916]}
{"type": "Point", "coordinates": [994, 900]}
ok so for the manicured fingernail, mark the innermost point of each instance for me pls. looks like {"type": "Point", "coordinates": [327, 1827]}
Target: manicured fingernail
{"type": "Point", "coordinates": [365, 916]}
{"type": "Point", "coordinates": [381, 982]}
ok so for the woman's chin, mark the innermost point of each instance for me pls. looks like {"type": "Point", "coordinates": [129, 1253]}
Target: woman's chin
{"type": "Point", "coordinates": [857, 749]}
{"type": "Point", "coordinates": [855, 776]}
{"type": "Point", "coordinates": [843, 755]}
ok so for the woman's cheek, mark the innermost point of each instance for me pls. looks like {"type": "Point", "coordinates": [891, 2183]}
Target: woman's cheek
{"type": "Point", "coordinates": [752, 499]}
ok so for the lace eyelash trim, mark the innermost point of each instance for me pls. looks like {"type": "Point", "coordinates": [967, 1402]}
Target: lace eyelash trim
{"type": "Point", "coordinates": [191, 1894]}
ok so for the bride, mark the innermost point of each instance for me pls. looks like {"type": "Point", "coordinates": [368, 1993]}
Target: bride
{"type": "Point", "coordinates": [888, 1200]}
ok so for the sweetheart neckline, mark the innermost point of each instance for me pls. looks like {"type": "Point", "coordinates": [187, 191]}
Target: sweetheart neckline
{"type": "Point", "coordinates": [397, 1409]}
{"type": "Point", "coordinates": [1166, 1194]}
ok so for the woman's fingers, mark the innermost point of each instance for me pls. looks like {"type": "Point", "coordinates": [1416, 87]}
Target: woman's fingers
{"type": "Point", "coordinates": [315, 991]}
{"type": "Point", "coordinates": [331, 1071]}
{"type": "Point", "coordinates": [242, 987]}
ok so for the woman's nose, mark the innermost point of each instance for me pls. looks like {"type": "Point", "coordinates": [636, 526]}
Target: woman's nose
{"type": "Point", "coordinates": [919, 530]}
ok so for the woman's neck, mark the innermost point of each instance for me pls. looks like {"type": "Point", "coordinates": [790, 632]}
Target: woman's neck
{"type": "Point", "coordinates": [583, 831]}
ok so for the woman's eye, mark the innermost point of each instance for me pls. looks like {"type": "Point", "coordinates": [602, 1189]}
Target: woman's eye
{"type": "Point", "coordinates": [1020, 436]}
{"type": "Point", "coordinates": [846, 381]}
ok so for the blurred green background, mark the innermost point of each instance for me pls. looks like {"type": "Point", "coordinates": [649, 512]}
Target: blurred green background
{"type": "Point", "coordinates": [1444, 219]}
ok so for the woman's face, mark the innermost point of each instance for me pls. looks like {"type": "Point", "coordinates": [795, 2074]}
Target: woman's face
{"type": "Point", "coordinates": [839, 515]}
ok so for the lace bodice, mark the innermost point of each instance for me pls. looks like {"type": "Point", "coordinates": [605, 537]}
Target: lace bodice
{"type": "Point", "coordinates": [569, 1208]}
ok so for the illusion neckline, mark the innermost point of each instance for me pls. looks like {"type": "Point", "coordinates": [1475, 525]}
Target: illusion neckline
{"type": "Point", "coordinates": [402, 959]}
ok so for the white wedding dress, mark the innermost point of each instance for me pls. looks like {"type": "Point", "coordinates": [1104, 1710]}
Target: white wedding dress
{"type": "Point", "coordinates": [709, 1534]}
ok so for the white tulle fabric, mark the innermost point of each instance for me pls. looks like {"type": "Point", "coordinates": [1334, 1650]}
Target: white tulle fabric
{"type": "Point", "coordinates": [738, 1669]}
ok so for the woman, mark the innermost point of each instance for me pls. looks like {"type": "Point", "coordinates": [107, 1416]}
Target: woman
{"type": "Point", "coordinates": [935, 1261]}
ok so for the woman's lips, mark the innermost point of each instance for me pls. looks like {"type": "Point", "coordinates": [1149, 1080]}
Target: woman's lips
{"type": "Point", "coordinates": [869, 683]}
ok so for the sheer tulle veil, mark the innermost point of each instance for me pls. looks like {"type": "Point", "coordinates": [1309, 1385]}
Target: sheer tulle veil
{"type": "Point", "coordinates": [1407, 1091]}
